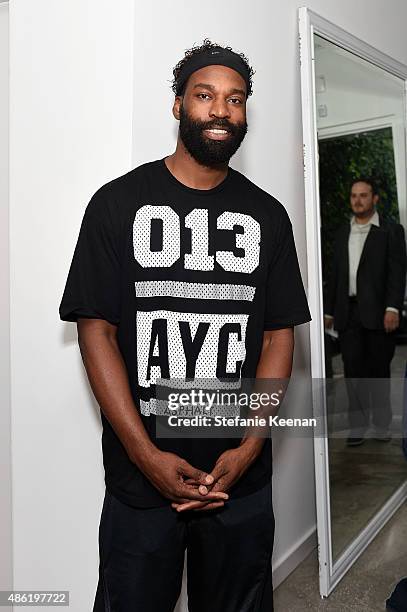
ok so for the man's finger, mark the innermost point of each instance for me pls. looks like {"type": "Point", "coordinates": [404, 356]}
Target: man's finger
{"type": "Point", "coordinates": [208, 480]}
{"type": "Point", "coordinates": [195, 505]}
{"type": "Point", "coordinates": [194, 474]}
{"type": "Point", "coordinates": [204, 489]}
{"type": "Point", "coordinates": [211, 506]}
{"type": "Point", "coordinates": [187, 502]}
{"type": "Point", "coordinates": [191, 493]}
{"type": "Point", "coordinates": [218, 471]}
{"type": "Point", "coordinates": [223, 484]}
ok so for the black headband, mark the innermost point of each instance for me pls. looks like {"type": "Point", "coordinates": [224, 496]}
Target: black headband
{"type": "Point", "coordinates": [215, 55]}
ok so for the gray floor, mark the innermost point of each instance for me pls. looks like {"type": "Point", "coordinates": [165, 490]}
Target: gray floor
{"type": "Point", "coordinates": [365, 587]}
{"type": "Point", "coordinates": [361, 480]}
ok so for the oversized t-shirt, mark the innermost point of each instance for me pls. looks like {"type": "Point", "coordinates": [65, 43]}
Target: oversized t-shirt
{"type": "Point", "coordinates": [191, 278]}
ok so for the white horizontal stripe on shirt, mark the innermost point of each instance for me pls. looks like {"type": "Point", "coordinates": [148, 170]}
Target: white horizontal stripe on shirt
{"type": "Point", "coordinates": [196, 291]}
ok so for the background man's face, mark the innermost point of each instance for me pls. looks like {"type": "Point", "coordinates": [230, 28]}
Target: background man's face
{"type": "Point", "coordinates": [212, 114]}
{"type": "Point", "coordinates": [362, 199]}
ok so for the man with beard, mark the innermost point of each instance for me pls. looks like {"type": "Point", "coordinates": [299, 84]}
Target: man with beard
{"type": "Point", "coordinates": [184, 269]}
{"type": "Point", "coordinates": [364, 299]}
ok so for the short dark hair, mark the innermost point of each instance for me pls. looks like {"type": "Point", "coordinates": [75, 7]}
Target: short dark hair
{"type": "Point", "coordinates": [196, 50]}
{"type": "Point", "coordinates": [369, 181]}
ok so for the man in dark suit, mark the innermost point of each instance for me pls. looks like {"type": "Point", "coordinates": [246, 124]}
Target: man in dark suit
{"type": "Point", "coordinates": [363, 302]}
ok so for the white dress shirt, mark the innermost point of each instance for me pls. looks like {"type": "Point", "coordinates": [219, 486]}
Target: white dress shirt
{"type": "Point", "coordinates": [357, 238]}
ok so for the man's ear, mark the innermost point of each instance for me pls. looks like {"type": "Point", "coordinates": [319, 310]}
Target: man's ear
{"type": "Point", "coordinates": [176, 107]}
{"type": "Point", "coordinates": [375, 198]}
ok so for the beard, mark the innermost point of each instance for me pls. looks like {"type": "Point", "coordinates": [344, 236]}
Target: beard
{"type": "Point", "coordinates": [361, 212]}
{"type": "Point", "coordinates": [206, 151]}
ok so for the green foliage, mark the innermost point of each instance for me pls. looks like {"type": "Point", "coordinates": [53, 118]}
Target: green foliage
{"type": "Point", "coordinates": [341, 160]}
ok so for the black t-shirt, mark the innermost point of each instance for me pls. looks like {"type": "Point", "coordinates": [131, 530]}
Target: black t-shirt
{"type": "Point", "coordinates": [191, 278]}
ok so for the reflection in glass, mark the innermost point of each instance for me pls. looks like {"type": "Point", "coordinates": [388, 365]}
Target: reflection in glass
{"type": "Point", "coordinates": [360, 123]}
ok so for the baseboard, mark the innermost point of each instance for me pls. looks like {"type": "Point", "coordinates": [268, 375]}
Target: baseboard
{"type": "Point", "coordinates": [294, 556]}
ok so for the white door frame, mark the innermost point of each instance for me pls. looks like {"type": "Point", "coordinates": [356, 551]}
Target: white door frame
{"type": "Point", "coordinates": [311, 23]}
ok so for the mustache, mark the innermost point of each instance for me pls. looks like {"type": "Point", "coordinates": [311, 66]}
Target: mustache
{"type": "Point", "coordinates": [221, 124]}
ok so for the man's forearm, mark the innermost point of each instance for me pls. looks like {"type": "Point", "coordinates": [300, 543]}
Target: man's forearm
{"type": "Point", "coordinates": [109, 381]}
{"type": "Point", "coordinates": [272, 376]}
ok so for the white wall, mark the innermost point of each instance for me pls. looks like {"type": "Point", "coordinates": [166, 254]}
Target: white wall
{"type": "Point", "coordinates": [71, 126]}
{"type": "Point", "coordinates": [355, 90]}
{"type": "Point", "coordinates": [71, 130]}
{"type": "Point", "coordinates": [5, 447]}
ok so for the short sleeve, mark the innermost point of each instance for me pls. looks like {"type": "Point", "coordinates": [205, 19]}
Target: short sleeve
{"type": "Point", "coordinates": [286, 302]}
{"type": "Point", "coordinates": [92, 288]}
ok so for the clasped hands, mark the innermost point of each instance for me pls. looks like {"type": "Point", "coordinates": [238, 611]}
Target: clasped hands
{"type": "Point", "coordinates": [190, 488]}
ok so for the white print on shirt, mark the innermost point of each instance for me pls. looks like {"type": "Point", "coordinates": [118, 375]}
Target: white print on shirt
{"type": "Point", "coordinates": [196, 345]}
{"type": "Point", "coordinates": [173, 344]}
{"type": "Point", "coordinates": [197, 222]}
{"type": "Point", "coordinates": [198, 259]}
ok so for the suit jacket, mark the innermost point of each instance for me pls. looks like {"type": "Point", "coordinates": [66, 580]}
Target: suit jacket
{"type": "Point", "coordinates": [381, 275]}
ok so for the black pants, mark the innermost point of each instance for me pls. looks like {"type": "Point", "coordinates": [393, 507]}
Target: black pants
{"type": "Point", "coordinates": [367, 354]}
{"type": "Point", "coordinates": [228, 557]}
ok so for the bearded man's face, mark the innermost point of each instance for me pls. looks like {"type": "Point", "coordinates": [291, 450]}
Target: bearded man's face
{"type": "Point", "coordinates": [211, 148]}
